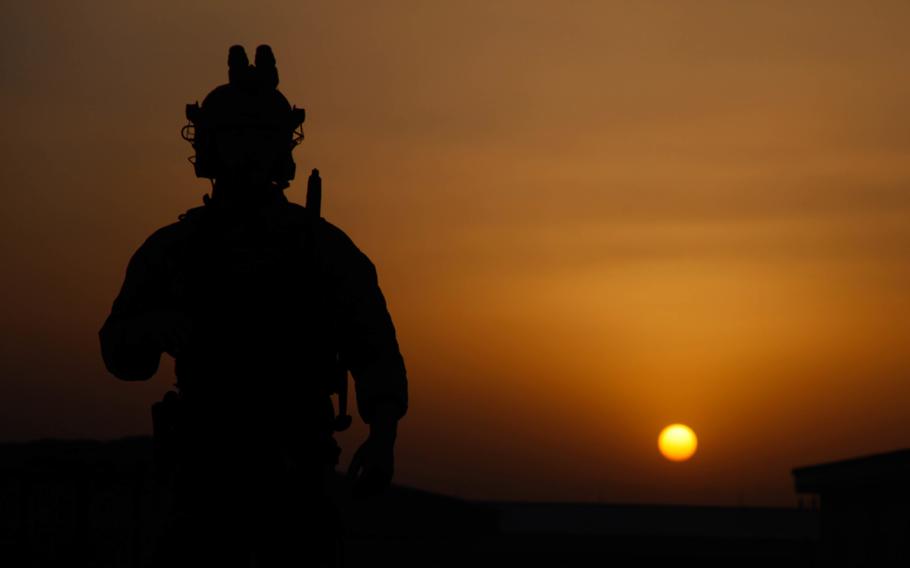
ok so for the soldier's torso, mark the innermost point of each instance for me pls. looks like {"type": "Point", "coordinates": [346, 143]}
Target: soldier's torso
{"type": "Point", "coordinates": [261, 332]}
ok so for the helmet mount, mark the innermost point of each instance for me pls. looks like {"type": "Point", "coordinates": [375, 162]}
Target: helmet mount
{"type": "Point", "coordinates": [250, 100]}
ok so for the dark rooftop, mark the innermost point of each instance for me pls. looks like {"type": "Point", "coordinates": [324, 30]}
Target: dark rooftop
{"type": "Point", "coordinates": [879, 470]}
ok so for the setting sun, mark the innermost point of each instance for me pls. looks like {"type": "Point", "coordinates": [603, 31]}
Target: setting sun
{"type": "Point", "coordinates": [677, 442]}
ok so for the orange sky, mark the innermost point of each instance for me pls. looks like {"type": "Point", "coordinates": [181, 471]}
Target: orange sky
{"type": "Point", "coordinates": [589, 222]}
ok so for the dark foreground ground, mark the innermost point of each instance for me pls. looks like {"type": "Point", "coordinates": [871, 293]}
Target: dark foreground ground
{"type": "Point", "coordinates": [86, 503]}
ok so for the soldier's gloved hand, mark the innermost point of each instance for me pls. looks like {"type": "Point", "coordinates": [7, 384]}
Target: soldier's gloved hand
{"type": "Point", "coordinates": [372, 468]}
{"type": "Point", "coordinates": [167, 330]}
{"type": "Point", "coordinates": [373, 464]}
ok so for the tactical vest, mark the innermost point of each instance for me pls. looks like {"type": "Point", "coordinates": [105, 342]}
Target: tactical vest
{"type": "Point", "coordinates": [263, 328]}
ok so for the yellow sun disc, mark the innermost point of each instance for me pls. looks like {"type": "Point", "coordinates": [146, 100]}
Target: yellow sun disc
{"type": "Point", "coordinates": [677, 442]}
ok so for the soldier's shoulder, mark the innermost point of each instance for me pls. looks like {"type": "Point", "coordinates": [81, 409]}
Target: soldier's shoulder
{"type": "Point", "coordinates": [169, 235]}
{"type": "Point", "coordinates": [334, 237]}
{"type": "Point", "coordinates": [327, 234]}
{"type": "Point", "coordinates": [172, 234]}
{"type": "Point", "coordinates": [340, 253]}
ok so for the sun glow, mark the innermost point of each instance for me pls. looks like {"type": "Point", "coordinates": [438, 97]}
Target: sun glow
{"type": "Point", "coordinates": [677, 442]}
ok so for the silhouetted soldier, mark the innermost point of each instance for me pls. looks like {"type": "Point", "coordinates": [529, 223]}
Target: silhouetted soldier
{"type": "Point", "coordinates": [264, 306]}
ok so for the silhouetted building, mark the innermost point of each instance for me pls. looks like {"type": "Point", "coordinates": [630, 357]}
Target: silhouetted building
{"type": "Point", "coordinates": [865, 508]}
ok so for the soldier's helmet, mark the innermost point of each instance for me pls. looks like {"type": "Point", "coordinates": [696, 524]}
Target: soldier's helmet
{"type": "Point", "coordinates": [250, 99]}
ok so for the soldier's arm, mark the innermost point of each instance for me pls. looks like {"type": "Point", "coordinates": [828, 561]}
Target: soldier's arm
{"type": "Point", "coordinates": [368, 343]}
{"type": "Point", "coordinates": [129, 345]}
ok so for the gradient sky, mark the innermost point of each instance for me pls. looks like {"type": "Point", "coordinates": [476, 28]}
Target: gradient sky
{"type": "Point", "coordinates": [590, 220]}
